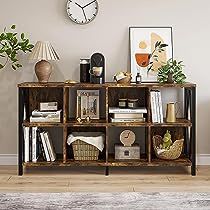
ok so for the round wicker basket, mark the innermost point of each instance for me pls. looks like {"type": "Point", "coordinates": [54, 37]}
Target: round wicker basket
{"type": "Point", "coordinates": [173, 153]}
{"type": "Point", "coordinates": [124, 80]}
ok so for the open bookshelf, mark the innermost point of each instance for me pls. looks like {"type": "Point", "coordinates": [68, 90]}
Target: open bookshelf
{"type": "Point", "coordinates": [30, 94]}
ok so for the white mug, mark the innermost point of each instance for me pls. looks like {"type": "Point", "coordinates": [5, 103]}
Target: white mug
{"type": "Point", "coordinates": [96, 71]}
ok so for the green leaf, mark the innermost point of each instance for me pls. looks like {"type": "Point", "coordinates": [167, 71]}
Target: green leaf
{"type": "Point", "coordinates": [163, 45]}
{"type": "Point", "coordinates": [14, 68]}
{"type": "Point", "coordinates": [18, 65]}
{"type": "Point", "coordinates": [1, 66]}
{"type": "Point", "coordinates": [13, 26]}
{"type": "Point", "coordinates": [22, 35]}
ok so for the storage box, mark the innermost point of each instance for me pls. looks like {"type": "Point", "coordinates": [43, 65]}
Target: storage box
{"type": "Point", "coordinates": [48, 106]}
{"type": "Point", "coordinates": [127, 153]}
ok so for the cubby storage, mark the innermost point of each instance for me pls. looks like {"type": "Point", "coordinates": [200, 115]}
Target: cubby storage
{"type": "Point", "coordinates": [31, 94]}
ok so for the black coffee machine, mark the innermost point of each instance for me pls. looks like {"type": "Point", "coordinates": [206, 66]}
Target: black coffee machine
{"type": "Point", "coordinates": [97, 75]}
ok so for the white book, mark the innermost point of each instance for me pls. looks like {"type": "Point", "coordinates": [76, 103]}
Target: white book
{"type": "Point", "coordinates": [26, 143]}
{"type": "Point", "coordinates": [157, 106]}
{"type": "Point", "coordinates": [113, 110]}
{"type": "Point", "coordinates": [160, 106]}
{"type": "Point", "coordinates": [45, 146]}
{"type": "Point", "coordinates": [50, 146]}
{"type": "Point", "coordinates": [34, 144]}
{"type": "Point", "coordinates": [45, 119]}
{"type": "Point", "coordinates": [128, 116]}
{"type": "Point", "coordinates": [44, 113]}
{"type": "Point", "coordinates": [128, 120]}
{"type": "Point", "coordinates": [153, 107]}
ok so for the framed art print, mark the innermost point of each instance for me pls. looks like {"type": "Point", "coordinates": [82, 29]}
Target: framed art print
{"type": "Point", "coordinates": [88, 104]}
{"type": "Point", "coordinates": [150, 47]}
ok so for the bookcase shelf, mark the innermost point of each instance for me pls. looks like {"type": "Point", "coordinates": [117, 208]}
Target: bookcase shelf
{"type": "Point", "coordinates": [31, 93]}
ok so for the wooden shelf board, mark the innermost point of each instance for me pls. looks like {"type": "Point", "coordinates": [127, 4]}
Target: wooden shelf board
{"type": "Point", "coordinates": [41, 85]}
{"type": "Point", "coordinates": [182, 161]}
{"type": "Point", "coordinates": [108, 84]}
{"type": "Point", "coordinates": [179, 123]}
{"type": "Point", "coordinates": [128, 124]}
{"type": "Point", "coordinates": [41, 124]}
{"type": "Point", "coordinates": [96, 123]}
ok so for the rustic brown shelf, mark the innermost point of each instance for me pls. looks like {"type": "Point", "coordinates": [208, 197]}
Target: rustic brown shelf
{"type": "Point", "coordinates": [31, 93]}
{"type": "Point", "coordinates": [42, 124]}
{"type": "Point", "coordinates": [180, 122]}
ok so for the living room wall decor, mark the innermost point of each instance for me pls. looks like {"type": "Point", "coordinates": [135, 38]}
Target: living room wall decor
{"type": "Point", "coordinates": [150, 47]}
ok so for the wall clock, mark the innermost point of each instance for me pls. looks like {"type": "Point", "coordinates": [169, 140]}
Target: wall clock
{"type": "Point", "coordinates": [82, 11]}
{"type": "Point", "coordinates": [127, 137]}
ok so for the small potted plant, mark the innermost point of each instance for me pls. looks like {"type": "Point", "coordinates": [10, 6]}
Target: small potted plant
{"type": "Point", "coordinates": [10, 45]}
{"type": "Point", "coordinates": [171, 72]}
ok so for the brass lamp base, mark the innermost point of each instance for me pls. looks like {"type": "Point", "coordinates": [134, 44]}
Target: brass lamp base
{"type": "Point", "coordinates": [43, 70]}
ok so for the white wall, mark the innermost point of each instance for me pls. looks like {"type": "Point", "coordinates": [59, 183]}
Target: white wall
{"type": "Point", "coordinates": [47, 20]}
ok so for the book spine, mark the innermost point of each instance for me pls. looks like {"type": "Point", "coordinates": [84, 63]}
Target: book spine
{"type": "Point", "coordinates": [157, 106]}
{"type": "Point", "coordinates": [128, 116]}
{"type": "Point", "coordinates": [160, 106]}
{"type": "Point", "coordinates": [128, 120]}
{"type": "Point", "coordinates": [41, 148]}
{"type": "Point", "coordinates": [127, 111]}
{"type": "Point", "coordinates": [51, 146]}
{"type": "Point", "coordinates": [45, 146]}
{"type": "Point", "coordinates": [26, 144]}
{"type": "Point", "coordinates": [153, 107]}
{"type": "Point", "coordinates": [30, 144]}
{"type": "Point", "coordinates": [48, 146]}
{"type": "Point", "coordinates": [34, 144]}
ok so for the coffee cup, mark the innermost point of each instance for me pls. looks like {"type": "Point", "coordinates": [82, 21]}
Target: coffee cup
{"type": "Point", "coordinates": [96, 71]}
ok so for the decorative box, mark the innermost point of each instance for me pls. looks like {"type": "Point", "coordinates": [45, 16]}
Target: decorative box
{"type": "Point", "coordinates": [127, 153]}
{"type": "Point", "coordinates": [48, 106]}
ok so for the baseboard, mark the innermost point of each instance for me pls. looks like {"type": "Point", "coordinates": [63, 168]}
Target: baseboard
{"type": "Point", "coordinates": [203, 159]}
{"type": "Point", "coordinates": [12, 159]}
{"type": "Point", "coordinates": [8, 159]}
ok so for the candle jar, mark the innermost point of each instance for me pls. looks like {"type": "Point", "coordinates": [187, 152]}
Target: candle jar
{"type": "Point", "coordinates": [132, 103]}
{"type": "Point", "coordinates": [122, 103]}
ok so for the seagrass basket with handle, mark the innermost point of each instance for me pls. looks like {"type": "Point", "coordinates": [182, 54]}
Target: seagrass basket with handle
{"type": "Point", "coordinates": [173, 153]}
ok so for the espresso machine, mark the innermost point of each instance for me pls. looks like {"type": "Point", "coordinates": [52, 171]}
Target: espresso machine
{"type": "Point", "coordinates": [97, 69]}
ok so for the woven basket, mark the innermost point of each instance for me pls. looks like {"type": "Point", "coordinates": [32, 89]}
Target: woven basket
{"type": "Point", "coordinates": [84, 151]}
{"type": "Point", "coordinates": [173, 153]}
{"type": "Point", "coordinates": [124, 80]}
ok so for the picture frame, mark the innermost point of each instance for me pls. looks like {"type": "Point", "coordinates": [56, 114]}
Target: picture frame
{"type": "Point", "coordinates": [88, 104]}
{"type": "Point", "coordinates": [143, 58]}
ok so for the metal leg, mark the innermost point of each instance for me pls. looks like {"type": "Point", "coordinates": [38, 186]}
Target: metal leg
{"type": "Point", "coordinates": [20, 130]}
{"type": "Point", "coordinates": [107, 171]}
{"type": "Point", "coordinates": [193, 130]}
{"type": "Point", "coordinates": [186, 116]}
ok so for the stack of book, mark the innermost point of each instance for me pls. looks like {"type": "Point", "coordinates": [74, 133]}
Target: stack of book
{"type": "Point", "coordinates": [45, 116]}
{"type": "Point", "coordinates": [127, 115]}
{"type": "Point", "coordinates": [156, 106]}
{"type": "Point", "coordinates": [37, 144]}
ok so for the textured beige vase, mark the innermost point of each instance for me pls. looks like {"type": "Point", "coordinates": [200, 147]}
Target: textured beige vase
{"type": "Point", "coordinates": [43, 70]}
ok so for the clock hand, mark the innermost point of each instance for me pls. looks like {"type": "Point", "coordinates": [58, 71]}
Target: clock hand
{"type": "Point", "coordinates": [78, 5]}
{"type": "Point", "coordinates": [127, 135]}
{"type": "Point", "coordinates": [89, 4]}
{"type": "Point", "coordinates": [84, 14]}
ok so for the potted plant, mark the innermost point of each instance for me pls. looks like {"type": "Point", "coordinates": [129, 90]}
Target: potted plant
{"type": "Point", "coordinates": [171, 72]}
{"type": "Point", "coordinates": [10, 45]}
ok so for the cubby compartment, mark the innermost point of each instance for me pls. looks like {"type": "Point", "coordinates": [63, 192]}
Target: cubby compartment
{"type": "Point", "coordinates": [34, 96]}
{"type": "Point", "coordinates": [177, 133]}
{"type": "Point", "coordinates": [114, 139]}
{"type": "Point", "coordinates": [75, 107]}
{"type": "Point", "coordinates": [69, 148]}
{"type": "Point", "coordinates": [140, 93]}
{"type": "Point", "coordinates": [54, 145]}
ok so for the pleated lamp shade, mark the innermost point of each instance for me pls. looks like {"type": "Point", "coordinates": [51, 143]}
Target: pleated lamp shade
{"type": "Point", "coordinates": [43, 50]}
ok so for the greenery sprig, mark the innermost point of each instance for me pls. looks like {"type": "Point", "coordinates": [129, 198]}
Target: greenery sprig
{"type": "Point", "coordinates": [10, 45]}
{"type": "Point", "coordinates": [159, 47]}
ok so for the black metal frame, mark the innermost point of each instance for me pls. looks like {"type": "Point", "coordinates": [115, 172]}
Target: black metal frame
{"type": "Point", "coordinates": [190, 137]}
{"type": "Point", "coordinates": [20, 130]}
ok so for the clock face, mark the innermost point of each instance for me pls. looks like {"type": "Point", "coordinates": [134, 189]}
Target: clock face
{"type": "Point", "coordinates": [127, 137]}
{"type": "Point", "coordinates": [82, 11]}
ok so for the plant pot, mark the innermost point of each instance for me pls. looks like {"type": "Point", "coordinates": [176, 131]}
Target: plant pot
{"type": "Point", "coordinates": [170, 78]}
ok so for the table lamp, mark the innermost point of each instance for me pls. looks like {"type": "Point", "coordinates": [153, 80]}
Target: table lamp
{"type": "Point", "coordinates": [43, 52]}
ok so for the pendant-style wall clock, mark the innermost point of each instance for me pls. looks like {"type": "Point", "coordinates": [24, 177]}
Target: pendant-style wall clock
{"type": "Point", "coordinates": [82, 11]}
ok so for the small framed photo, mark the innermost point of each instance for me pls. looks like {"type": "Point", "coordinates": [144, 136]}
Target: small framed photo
{"type": "Point", "coordinates": [88, 104]}
{"type": "Point", "coordinates": [150, 48]}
